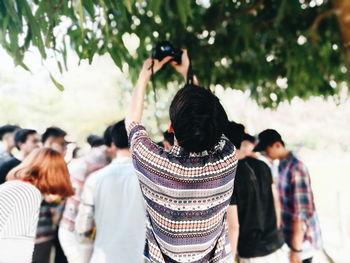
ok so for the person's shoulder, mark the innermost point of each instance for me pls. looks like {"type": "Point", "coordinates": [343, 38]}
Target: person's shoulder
{"type": "Point", "coordinates": [94, 177]}
{"type": "Point", "coordinates": [297, 164]}
{"type": "Point", "coordinates": [243, 167]}
{"type": "Point", "coordinates": [21, 189]}
{"type": "Point", "coordinates": [11, 161]}
{"type": "Point", "coordinates": [8, 165]}
{"type": "Point", "coordinates": [256, 163]}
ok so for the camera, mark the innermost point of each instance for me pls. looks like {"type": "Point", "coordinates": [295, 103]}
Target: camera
{"type": "Point", "coordinates": [164, 49]}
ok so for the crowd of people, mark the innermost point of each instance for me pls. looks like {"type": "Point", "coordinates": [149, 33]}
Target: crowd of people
{"type": "Point", "coordinates": [209, 192]}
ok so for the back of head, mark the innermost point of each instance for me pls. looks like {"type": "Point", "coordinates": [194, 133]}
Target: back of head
{"type": "Point", "coordinates": [54, 132]}
{"type": "Point", "coordinates": [235, 133]}
{"type": "Point", "coordinates": [107, 137]}
{"type": "Point", "coordinates": [8, 128]}
{"type": "Point", "coordinates": [47, 170]}
{"type": "Point", "coordinates": [198, 118]}
{"type": "Point", "coordinates": [21, 136]}
{"type": "Point", "coordinates": [249, 138]}
{"type": "Point", "coordinates": [95, 140]}
{"type": "Point", "coordinates": [119, 135]}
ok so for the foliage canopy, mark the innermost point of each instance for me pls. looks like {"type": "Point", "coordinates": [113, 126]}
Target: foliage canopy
{"type": "Point", "coordinates": [276, 49]}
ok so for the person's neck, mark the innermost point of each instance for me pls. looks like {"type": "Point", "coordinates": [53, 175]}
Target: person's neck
{"type": "Point", "coordinates": [284, 154]}
{"type": "Point", "coordinates": [8, 148]}
{"type": "Point", "coordinates": [240, 154]}
{"type": "Point", "coordinates": [122, 153]}
{"type": "Point", "coordinates": [22, 155]}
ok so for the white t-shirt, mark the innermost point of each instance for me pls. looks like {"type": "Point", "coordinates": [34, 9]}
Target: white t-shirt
{"type": "Point", "coordinates": [112, 199]}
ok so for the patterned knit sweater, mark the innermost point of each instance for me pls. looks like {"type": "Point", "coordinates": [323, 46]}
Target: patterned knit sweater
{"type": "Point", "coordinates": [187, 195]}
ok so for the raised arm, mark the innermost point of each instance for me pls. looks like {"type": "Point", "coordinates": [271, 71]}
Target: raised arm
{"type": "Point", "coordinates": [135, 109]}
{"type": "Point", "coordinates": [183, 67]}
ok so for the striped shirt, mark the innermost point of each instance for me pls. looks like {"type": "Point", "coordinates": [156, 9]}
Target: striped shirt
{"type": "Point", "coordinates": [19, 211]}
{"type": "Point", "coordinates": [186, 195]}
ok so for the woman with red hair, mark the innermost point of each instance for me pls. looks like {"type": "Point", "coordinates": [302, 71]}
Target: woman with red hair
{"type": "Point", "coordinates": [43, 172]}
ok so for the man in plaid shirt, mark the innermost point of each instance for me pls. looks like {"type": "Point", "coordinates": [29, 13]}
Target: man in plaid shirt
{"type": "Point", "coordinates": [300, 225]}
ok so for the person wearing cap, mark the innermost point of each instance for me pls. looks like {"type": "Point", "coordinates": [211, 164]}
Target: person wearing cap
{"type": "Point", "coordinates": [252, 214]}
{"type": "Point", "coordinates": [300, 224]}
{"type": "Point", "coordinates": [6, 136]}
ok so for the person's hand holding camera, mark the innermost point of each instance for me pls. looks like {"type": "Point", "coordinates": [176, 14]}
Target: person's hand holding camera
{"type": "Point", "coordinates": [183, 67]}
{"type": "Point", "coordinates": [185, 63]}
{"type": "Point", "coordinates": [146, 71]}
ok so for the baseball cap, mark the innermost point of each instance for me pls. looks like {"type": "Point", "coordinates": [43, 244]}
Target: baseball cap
{"type": "Point", "coordinates": [266, 138]}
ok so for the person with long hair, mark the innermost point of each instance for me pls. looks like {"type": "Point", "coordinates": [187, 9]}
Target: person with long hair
{"type": "Point", "coordinates": [43, 172]}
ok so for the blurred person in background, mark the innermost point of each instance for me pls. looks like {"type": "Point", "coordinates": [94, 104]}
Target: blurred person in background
{"type": "Point", "coordinates": [55, 138]}
{"type": "Point", "coordinates": [50, 210]}
{"type": "Point", "coordinates": [6, 137]}
{"type": "Point", "coordinates": [79, 171]}
{"type": "Point", "coordinates": [26, 141]}
{"type": "Point", "coordinates": [248, 145]}
{"type": "Point", "coordinates": [112, 205]}
{"type": "Point", "coordinates": [253, 214]}
{"type": "Point", "coordinates": [300, 224]}
{"type": "Point", "coordinates": [95, 140]}
{"type": "Point", "coordinates": [43, 172]}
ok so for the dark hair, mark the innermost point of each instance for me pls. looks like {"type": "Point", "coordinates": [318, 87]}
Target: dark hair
{"type": "Point", "coordinates": [107, 137]}
{"type": "Point", "coordinates": [95, 140]}
{"type": "Point", "coordinates": [52, 132]}
{"type": "Point", "coordinates": [119, 135]}
{"type": "Point", "coordinates": [250, 138]}
{"type": "Point", "coordinates": [6, 129]}
{"type": "Point", "coordinates": [75, 153]}
{"type": "Point", "coordinates": [21, 136]}
{"type": "Point", "coordinates": [198, 118]}
{"type": "Point", "coordinates": [169, 137]}
{"type": "Point", "coordinates": [161, 144]}
{"type": "Point", "coordinates": [235, 133]}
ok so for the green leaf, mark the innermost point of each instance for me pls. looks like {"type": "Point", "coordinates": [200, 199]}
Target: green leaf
{"type": "Point", "coordinates": [59, 64]}
{"type": "Point", "coordinates": [116, 58]}
{"type": "Point", "coordinates": [154, 6]}
{"type": "Point", "coordinates": [35, 28]}
{"type": "Point", "coordinates": [24, 66]}
{"type": "Point", "coordinates": [10, 8]}
{"type": "Point", "coordinates": [182, 10]}
{"type": "Point", "coordinates": [128, 4]}
{"type": "Point", "coordinates": [78, 8]}
{"type": "Point", "coordinates": [64, 55]}
{"type": "Point", "coordinates": [56, 83]}
{"type": "Point", "coordinates": [89, 6]}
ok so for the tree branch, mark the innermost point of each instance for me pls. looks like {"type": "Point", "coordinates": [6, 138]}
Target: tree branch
{"type": "Point", "coordinates": [249, 9]}
{"type": "Point", "coordinates": [321, 16]}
